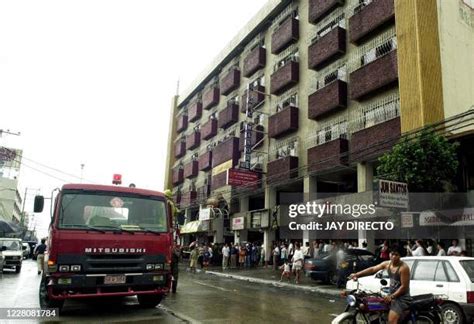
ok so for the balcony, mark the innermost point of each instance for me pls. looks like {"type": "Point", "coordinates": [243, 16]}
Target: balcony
{"type": "Point", "coordinates": [257, 136]}
{"type": "Point", "coordinates": [327, 156]}
{"type": "Point", "coordinates": [282, 169]}
{"type": "Point", "coordinates": [377, 75]}
{"type": "Point", "coordinates": [191, 169]}
{"type": "Point", "coordinates": [286, 34]}
{"type": "Point", "coordinates": [205, 161]}
{"type": "Point", "coordinates": [225, 151]}
{"type": "Point", "coordinates": [369, 18]}
{"type": "Point", "coordinates": [219, 180]}
{"type": "Point", "coordinates": [257, 96]}
{"type": "Point", "coordinates": [230, 81]}
{"type": "Point", "coordinates": [202, 193]}
{"type": "Point", "coordinates": [182, 123]}
{"type": "Point", "coordinates": [229, 115]}
{"type": "Point", "coordinates": [195, 111]}
{"type": "Point", "coordinates": [178, 176]}
{"type": "Point", "coordinates": [327, 49]}
{"type": "Point", "coordinates": [193, 140]}
{"type": "Point", "coordinates": [209, 129]}
{"type": "Point", "coordinates": [285, 77]}
{"type": "Point", "coordinates": [210, 98]}
{"type": "Point", "coordinates": [188, 198]}
{"type": "Point", "coordinates": [327, 100]}
{"type": "Point", "coordinates": [369, 143]}
{"type": "Point", "coordinates": [283, 122]}
{"type": "Point", "coordinates": [254, 61]}
{"type": "Point", "coordinates": [180, 149]}
{"type": "Point", "coordinates": [318, 9]}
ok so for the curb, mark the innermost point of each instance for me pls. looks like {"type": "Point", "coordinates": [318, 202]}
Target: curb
{"type": "Point", "coordinates": [325, 291]}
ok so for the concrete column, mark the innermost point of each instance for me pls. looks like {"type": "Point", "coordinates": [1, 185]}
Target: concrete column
{"type": "Point", "coordinates": [305, 237]}
{"type": "Point", "coordinates": [310, 188]}
{"type": "Point", "coordinates": [241, 236]}
{"type": "Point", "coordinates": [269, 233]}
{"type": "Point", "coordinates": [365, 177]}
{"type": "Point", "coordinates": [218, 226]}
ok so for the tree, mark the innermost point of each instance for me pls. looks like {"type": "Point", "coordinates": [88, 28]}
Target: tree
{"type": "Point", "coordinates": [426, 162]}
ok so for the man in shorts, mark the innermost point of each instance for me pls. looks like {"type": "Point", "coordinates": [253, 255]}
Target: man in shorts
{"type": "Point", "coordinates": [399, 274]}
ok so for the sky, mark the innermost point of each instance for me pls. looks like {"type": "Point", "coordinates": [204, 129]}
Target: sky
{"type": "Point", "coordinates": [91, 82]}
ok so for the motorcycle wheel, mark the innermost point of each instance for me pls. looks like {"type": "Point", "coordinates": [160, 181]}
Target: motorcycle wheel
{"type": "Point", "coordinates": [353, 319]}
{"type": "Point", "coordinates": [425, 319]}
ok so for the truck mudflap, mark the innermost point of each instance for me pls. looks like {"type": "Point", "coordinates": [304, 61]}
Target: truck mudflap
{"type": "Point", "coordinates": [84, 286]}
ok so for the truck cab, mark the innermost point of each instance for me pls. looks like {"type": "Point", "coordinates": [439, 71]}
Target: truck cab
{"type": "Point", "coordinates": [12, 253]}
{"type": "Point", "coordinates": [107, 241]}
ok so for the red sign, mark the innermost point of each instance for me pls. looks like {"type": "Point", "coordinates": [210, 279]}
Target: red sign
{"type": "Point", "coordinates": [242, 178]}
{"type": "Point", "coordinates": [117, 179]}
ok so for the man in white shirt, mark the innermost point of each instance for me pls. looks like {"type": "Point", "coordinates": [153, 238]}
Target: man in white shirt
{"type": "Point", "coordinates": [276, 254]}
{"type": "Point", "coordinates": [454, 249]}
{"type": "Point", "coordinates": [298, 260]}
{"type": "Point", "coordinates": [225, 256]}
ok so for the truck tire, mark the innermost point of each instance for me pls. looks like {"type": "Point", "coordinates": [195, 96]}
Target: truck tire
{"type": "Point", "coordinates": [149, 301]}
{"type": "Point", "coordinates": [18, 269]}
{"type": "Point", "coordinates": [44, 300]}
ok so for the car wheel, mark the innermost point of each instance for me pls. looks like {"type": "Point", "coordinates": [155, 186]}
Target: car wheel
{"type": "Point", "coordinates": [17, 269]}
{"type": "Point", "coordinates": [149, 301]}
{"type": "Point", "coordinates": [44, 300]}
{"type": "Point", "coordinates": [452, 314]}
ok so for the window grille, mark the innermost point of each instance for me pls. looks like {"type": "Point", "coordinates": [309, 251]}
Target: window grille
{"type": "Point", "coordinates": [290, 11]}
{"type": "Point", "coordinates": [377, 112]}
{"type": "Point", "coordinates": [285, 148]}
{"type": "Point", "coordinates": [292, 57]}
{"type": "Point", "coordinates": [288, 99]}
{"type": "Point", "coordinates": [362, 3]}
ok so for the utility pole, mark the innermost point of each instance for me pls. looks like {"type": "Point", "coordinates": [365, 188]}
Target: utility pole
{"type": "Point", "coordinates": [22, 219]}
{"type": "Point", "coordinates": [82, 170]}
{"type": "Point", "coordinates": [8, 132]}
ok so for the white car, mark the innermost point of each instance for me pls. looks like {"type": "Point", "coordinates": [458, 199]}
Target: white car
{"type": "Point", "coordinates": [444, 275]}
{"type": "Point", "coordinates": [12, 252]}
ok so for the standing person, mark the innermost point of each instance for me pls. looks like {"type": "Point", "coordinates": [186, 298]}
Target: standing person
{"type": "Point", "coordinates": [39, 253]}
{"type": "Point", "coordinates": [225, 256]}
{"type": "Point", "coordinates": [262, 255]}
{"type": "Point", "coordinates": [399, 274]}
{"type": "Point", "coordinates": [420, 249]}
{"type": "Point", "coordinates": [454, 249]}
{"type": "Point", "coordinates": [283, 254]}
{"type": "Point", "coordinates": [276, 254]}
{"type": "Point", "coordinates": [193, 259]}
{"type": "Point", "coordinates": [441, 250]}
{"type": "Point", "coordinates": [242, 253]}
{"type": "Point", "coordinates": [286, 272]}
{"type": "Point", "coordinates": [298, 260]}
{"type": "Point", "coordinates": [291, 250]}
{"type": "Point", "coordinates": [384, 251]}
{"type": "Point", "coordinates": [174, 267]}
{"type": "Point", "coordinates": [233, 256]}
{"type": "Point", "coordinates": [306, 251]}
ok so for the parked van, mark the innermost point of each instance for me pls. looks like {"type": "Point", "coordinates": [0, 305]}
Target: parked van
{"type": "Point", "coordinates": [12, 252]}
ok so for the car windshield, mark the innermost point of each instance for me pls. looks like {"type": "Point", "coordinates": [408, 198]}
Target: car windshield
{"type": "Point", "coordinates": [11, 245]}
{"type": "Point", "coordinates": [468, 266]}
{"type": "Point", "coordinates": [111, 212]}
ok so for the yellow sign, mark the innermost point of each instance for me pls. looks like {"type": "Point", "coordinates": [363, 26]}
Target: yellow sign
{"type": "Point", "coordinates": [222, 167]}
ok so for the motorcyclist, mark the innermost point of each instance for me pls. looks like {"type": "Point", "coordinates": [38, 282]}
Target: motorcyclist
{"type": "Point", "coordinates": [399, 274]}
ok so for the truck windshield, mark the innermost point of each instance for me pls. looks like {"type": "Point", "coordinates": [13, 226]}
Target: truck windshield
{"type": "Point", "coordinates": [11, 245]}
{"type": "Point", "coordinates": [109, 212]}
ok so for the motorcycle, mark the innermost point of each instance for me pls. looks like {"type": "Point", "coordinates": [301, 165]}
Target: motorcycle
{"type": "Point", "coordinates": [366, 307]}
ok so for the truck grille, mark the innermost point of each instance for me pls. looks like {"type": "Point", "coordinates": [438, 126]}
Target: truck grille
{"type": "Point", "coordinates": [114, 263]}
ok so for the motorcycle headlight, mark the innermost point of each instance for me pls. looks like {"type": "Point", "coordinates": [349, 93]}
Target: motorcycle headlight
{"type": "Point", "coordinates": [351, 300]}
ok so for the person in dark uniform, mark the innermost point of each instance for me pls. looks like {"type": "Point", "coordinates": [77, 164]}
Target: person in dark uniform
{"type": "Point", "coordinates": [174, 268]}
{"type": "Point", "coordinates": [39, 253]}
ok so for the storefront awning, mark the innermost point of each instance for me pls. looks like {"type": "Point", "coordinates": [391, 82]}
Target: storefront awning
{"type": "Point", "coordinates": [194, 226]}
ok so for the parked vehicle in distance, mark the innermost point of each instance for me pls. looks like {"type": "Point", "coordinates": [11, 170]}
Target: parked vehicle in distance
{"type": "Point", "coordinates": [12, 253]}
{"type": "Point", "coordinates": [324, 267]}
{"type": "Point", "coordinates": [26, 250]}
{"type": "Point", "coordinates": [2, 259]}
{"type": "Point", "coordinates": [448, 275]}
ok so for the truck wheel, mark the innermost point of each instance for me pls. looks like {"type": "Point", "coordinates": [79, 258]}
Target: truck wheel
{"type": "Point", "coordinates": [149, 301]}
{"type": "Point", "coordinates": [17, 269]}
{"type": "Point", "coordinates": [44, 300]}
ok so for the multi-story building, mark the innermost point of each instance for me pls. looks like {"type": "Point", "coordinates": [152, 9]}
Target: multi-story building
{"type": "Point", "coordinates": [332, 85]}
{"type": "Point", "coordinates": [10, 200]}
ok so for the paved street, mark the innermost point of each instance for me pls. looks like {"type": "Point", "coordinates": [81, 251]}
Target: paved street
{"type": "Point", "coordinates": [201, 298]}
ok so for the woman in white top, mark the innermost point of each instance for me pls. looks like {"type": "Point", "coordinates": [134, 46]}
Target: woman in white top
{"type": "Point", "coordinates": [298, 259]}
{"type": "Point", "coordinates": [420, 250]}
{"type": "Point", "coordinates": [441, 250]}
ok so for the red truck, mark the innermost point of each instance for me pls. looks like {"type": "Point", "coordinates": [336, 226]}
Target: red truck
{"type": "Point", "coordinates": [107, 241]}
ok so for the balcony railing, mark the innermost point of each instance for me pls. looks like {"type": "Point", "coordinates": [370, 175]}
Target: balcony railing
{"type": "Point", "coordinates": [370, 16]}
{"type": "Point", "coordinates": [286, 34]}
{"type": "Point", "coordinates": [318, 9]}
{"type": "Point", "coordinates": [254, 61]}
{"type": "Point", "coordinates": [230, 81]}
{"type": "Point", "coordinates": [210, 98]}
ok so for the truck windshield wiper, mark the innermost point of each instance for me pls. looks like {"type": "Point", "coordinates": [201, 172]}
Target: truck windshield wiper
{"type": "Point", "coordinates": [151, 231]}
{"type": "Point", "coordinates": [121, 230]}
{"type": "Point", "coordinates": [94, 228]}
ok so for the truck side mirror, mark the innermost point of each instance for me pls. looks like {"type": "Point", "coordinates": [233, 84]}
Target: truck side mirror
{"type": "Point", "coordinates": [39, 204]}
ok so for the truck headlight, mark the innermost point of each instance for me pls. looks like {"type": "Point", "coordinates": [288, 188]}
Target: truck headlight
{"type": "Point", "coordinates": [150, 266]}
{"type": "Point", "coordinates": [63, 268]}
{"type": "Point", "coordinates": [76, 267]}
{"type": "Point", "coordinates": [159, 266]}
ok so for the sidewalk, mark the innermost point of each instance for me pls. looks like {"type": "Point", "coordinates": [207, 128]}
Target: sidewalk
{"type": "Point", "coordinates": [268, 276]}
